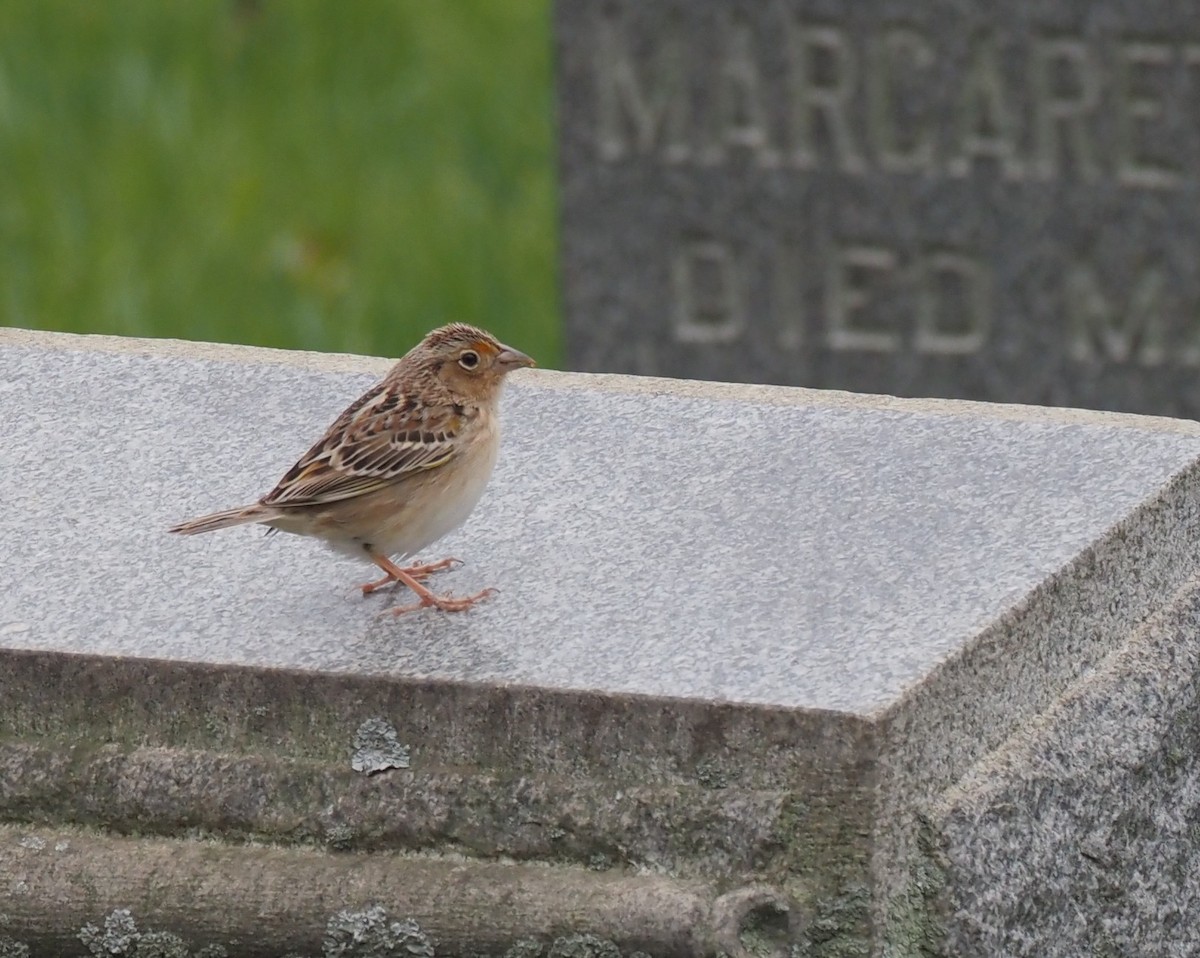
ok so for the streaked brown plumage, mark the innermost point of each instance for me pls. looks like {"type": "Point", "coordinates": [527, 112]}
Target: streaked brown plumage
{"type": "Point", "coordinates": [404, 465]}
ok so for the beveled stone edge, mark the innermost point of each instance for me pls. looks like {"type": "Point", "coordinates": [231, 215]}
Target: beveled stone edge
{"type": "Point", "coordinates": [605, 382]}
{"type": "Point", "coordinates": [945, 725]}
{"type": "Point", "coordinates": [1156, 670]}
{"type": "Point", "coordinates": [520, 729]}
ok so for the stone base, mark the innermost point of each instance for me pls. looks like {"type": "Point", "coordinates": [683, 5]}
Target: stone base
{"type": "Point", "coordinates": [771, 671]}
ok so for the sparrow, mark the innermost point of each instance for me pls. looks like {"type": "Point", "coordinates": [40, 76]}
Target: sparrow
{"type": "Point", "coordinates": [404, 465]}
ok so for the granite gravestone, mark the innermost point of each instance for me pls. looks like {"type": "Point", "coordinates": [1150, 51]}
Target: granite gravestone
{"type": "Point", "coordinates": [895, 677]}
{"type": "Point", "coordinates": [969, 200]}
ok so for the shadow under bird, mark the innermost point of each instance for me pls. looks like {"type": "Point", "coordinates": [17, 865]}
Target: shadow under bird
{"type": "Point", "coordinates": [403, 466]}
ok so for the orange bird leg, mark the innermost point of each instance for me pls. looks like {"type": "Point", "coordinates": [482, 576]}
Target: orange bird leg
{"type": "Point", "coordinates": [418, 572]}
{"type": "Point", "coordinates": [428, 599]}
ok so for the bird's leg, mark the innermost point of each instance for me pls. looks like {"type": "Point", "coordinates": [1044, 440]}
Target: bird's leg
{"type": "Point", "coordinates": [428, 599]}
{"type": "Point", "coordinates": [369, 587]}
{"type": "Point", "coordinates": [418, 572]}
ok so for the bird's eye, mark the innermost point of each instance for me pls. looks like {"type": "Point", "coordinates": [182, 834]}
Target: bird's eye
{"type": "Point", "coordinates": [469, 359]}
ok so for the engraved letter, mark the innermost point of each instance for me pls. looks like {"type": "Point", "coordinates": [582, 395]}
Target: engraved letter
{"type": "Point", "coordinates": [1189, 352]}
{"type": "Point", "coordinates": [787, 306]}
{"type": "Point", "coordinates": [985, 121]}
{"type": "Point", "coordinates": [821, 81]}
{"type": "Point", "coordinates": [708, 294]}
{"type": "Point", "coordinates": [847, 291]}
{"type": "Point", "coordinates": [953, 305]}
{"type": "Point", "coordinates": [1191, 55]}
{"type": "Point", "coordinates": [1135, 111]}
{"type": "Point", "coordinates": [1060, 111]}
{"type": "Point", "coordinates": [1137, 332]}
{"type": "Point", "coordinates": [741, 113]}
{"type": "Point", "coordinates": [637, 117]}
{"type": "Point", "coordinates": [892, 50]}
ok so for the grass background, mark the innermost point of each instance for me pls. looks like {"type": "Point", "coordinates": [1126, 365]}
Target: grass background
{"type": "Point", "coordinates": [300, 173]}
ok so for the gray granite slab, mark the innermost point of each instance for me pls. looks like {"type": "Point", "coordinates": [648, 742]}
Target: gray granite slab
{"type": "Point", "coordinates": [920, 197]}
{"type": "Point", "coordinates": [745, 544]}
{"type": "Point", "coordinates": [1077, 836]}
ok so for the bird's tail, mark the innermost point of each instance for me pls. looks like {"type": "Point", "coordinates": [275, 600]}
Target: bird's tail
{"type": "Point", "coordinates": [223, 520]}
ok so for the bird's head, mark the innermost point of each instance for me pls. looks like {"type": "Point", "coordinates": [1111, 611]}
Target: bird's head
{"type": "Point", "coordinates": [468, 362]}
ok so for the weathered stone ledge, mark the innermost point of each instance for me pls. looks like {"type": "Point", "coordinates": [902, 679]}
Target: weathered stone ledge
{"type": "Point", "coordinates": [275, 901]}
{"type": "Point", "coordinates": [745, 637]}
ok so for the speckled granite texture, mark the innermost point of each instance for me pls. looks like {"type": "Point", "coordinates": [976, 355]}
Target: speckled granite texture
{"type": "Point", "coordinates": [668, 545]}
{"type": "Point", "coordinates": [1080, 835]}
{"type": "Point", "coordinates": [745, 631]}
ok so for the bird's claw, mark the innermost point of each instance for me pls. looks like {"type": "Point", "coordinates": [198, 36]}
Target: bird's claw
{"type": "Point", "coordinates": [443, 603]}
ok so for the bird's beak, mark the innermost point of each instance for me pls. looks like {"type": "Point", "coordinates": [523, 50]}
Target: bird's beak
{"type": "Point", "coordinates": [510, 358]}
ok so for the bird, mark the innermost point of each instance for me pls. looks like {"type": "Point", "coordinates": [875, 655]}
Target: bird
{"type": "Point", "coordinates": [402, 466]}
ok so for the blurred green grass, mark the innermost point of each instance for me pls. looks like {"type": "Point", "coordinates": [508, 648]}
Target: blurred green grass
{"type": "Point", "coordinates": [299, 173]}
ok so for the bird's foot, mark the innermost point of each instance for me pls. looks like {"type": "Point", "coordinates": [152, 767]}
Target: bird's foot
{"type": "Point", "coordinates": [418, 572]}
{"type": "Point", "coordinates": [443, 603]}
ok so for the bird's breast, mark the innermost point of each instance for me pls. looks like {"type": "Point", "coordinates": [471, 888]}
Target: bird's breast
{"type": "Point", "coordinates": [444, 499]}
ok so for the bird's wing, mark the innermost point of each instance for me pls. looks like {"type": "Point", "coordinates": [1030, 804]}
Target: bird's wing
{"type": "Point", "coordinates": [379, 440]}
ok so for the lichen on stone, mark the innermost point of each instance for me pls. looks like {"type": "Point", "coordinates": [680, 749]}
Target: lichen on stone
{"type": "Point", "coordinates": [161, 944]}
{"type": "Point", "coordinates": [583, 946]}
{"type": "Point", "coordinates": [11, 948]}
{"type": "Point", "coordinates": [120, 938]}
{"type": "Point", "coordinates": [369, 934]}
{"type": "Point", "coordinates": [377, 748]}
{"type": "Point", "coordinates": [524, 948]}
{"type": "Point", "coordinates": [340, 837]}
{"type": "Point", "coordinates": [712, 775]}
